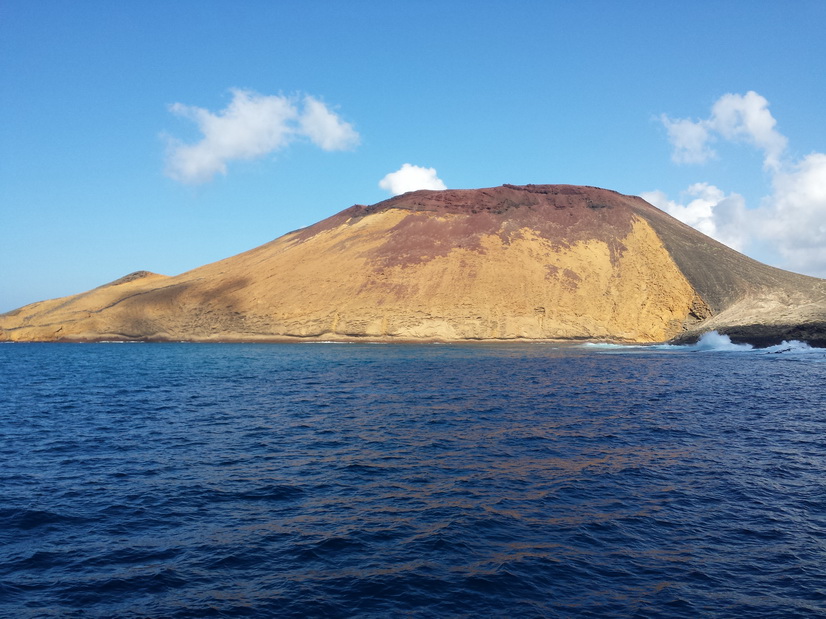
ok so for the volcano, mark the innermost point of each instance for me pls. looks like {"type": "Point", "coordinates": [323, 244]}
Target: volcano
{"type": "Point", "coordinates": [535, 262]}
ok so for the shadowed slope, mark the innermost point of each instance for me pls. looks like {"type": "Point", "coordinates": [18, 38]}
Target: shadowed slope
{"type": "Point", "coordinates": [750, 301]}
{"type": "Point", "coordinates": [533, 262]}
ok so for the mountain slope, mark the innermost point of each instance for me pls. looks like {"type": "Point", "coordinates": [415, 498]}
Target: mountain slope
{"type": "Point", "coordinates": [535, 262]}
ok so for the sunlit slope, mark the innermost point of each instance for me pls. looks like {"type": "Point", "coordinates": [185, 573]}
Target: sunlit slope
{"type": "Point", "coordinates": [534, 262]}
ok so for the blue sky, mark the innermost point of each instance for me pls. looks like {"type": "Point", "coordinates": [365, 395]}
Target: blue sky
{"type": "Point", "coordinates": [166, 135]}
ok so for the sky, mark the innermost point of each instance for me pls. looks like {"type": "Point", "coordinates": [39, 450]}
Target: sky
{"type": "Point", "coordinates": [161, 136]}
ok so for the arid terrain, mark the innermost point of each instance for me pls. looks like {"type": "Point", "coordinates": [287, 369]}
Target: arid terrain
{"type": "Point", "coordinates": [535, 262]}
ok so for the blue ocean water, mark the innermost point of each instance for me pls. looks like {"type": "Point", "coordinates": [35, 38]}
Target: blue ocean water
{"type": "Point", "coordinates": [333, 480]}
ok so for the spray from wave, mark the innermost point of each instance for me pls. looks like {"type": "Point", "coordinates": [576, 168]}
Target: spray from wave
{"type": "Point", "coordinates": [711, 341]}
{"type": "Point", "coordinates": [718, 341]}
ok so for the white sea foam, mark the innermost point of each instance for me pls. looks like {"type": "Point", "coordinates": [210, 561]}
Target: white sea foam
{"type": "Point", "coordinates": [607, 346]}
{"type": "Point", "coordinates": [719, 342]}
{"type": "Point", "coordinates": [712, 341]}
{"type": "Point", "coordinates": [792, 347]}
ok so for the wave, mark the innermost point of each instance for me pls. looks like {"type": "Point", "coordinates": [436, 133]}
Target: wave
{"type": "Point", "coordinates": [712, 341]}
{"type": "Point", "coordinates": [719, 342]}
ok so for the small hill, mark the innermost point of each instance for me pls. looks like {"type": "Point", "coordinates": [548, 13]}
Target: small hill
{"type": "Point", "coordinates": [539, 262]}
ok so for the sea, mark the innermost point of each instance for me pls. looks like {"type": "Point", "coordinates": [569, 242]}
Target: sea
{"type": "Point", "coordinates": [438, 480]}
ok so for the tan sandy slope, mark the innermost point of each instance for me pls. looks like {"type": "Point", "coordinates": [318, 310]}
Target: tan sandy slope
{"type": "Point", "coordinates": [534, 262]}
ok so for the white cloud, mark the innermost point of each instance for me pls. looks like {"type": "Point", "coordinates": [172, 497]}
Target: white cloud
{"type": "Point", "coordinates": [251, 126]}
{"type": "Point", "coordinates": [790, 221]}
{"type": "Point", "coordinates": [712, 212]}
{"type": "Point", "coordinates": [410, 178]}
{"type": "Point", "coordinates": [736, 118]}
{"type": "Point", "coordinates": [793, 218]}
{"type": "Point", "coordinates": [326, 129]}
{"type": "Point", "coordinates": [747, 118]}
{"type": "Point", "coordinates": [690, 140]}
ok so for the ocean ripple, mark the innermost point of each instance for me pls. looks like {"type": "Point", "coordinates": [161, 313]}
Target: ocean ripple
{"type": "Point", "coordinates": [177, 480]}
